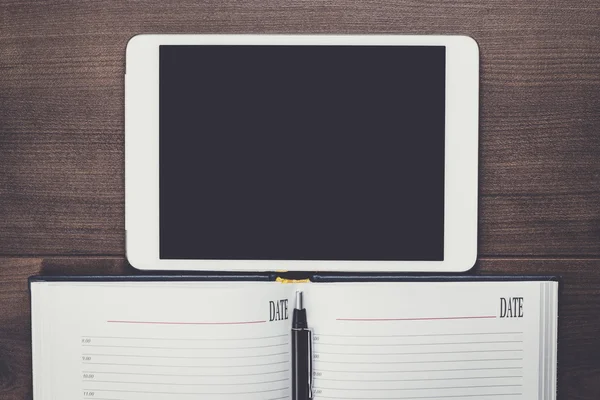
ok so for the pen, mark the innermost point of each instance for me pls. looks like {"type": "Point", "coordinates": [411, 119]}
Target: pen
{"type": "Point", "coordinates": [301, 353]}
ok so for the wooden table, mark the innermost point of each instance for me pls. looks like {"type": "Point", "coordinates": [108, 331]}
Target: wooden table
{"type": "Point", "coordinates": [61, 141]}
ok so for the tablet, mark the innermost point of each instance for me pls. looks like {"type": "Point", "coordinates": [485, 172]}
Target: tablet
{"type": "Point", "coordinates": [292, 152]}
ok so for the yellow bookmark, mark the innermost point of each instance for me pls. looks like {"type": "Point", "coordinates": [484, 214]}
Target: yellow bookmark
{"type": "Point", "coordinates": [284, 280]}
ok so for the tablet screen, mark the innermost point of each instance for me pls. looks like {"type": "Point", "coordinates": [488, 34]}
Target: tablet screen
{"type": "Point", "coordinates": [302, 152]}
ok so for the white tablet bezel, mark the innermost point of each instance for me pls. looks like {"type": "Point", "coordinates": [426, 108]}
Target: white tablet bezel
{"type": "Point", "coordinates": [142, 155]}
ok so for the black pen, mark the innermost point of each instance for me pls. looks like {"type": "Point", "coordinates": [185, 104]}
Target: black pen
{"type": "Point", "coordinates": [301, 353]}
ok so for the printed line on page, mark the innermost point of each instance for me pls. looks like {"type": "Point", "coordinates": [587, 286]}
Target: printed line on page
{"type": "Point", "coordinates": [186, 323]}
{"type": "Point", "coordinates": [416, 344]}
{"type": "Point", "coordinates": [185, 393]}
{"type": "Point", "coordinates": [421, 397]}
{"type": "Point", "coordinates": [186, 348]}
{"type": "Point", "coordinates": [419, 353]}
{"type": "Point", "coordinates": [419, 388]}
{"type": "Point", "coordinates": [418, 362]}
{"type": "Point", "coordinates": [421, 335]}
{"type": "Point", "coordinates": [186, 384]}
{"type": "Point", "coordinates": [419, 370]}
{"type": "Point", "coordinates": [184, 376]}
{"type": "Point", "coordinates": [199, 339]}
{"type": "Point", "coordinates": [106, 398]}
{"type": "Point", "coordinates": [188, 357]}
{"type": "Point", "coordinates": [189, 366]}
{"type": "Point", "coordinates": [414, 319]}
{"type": "Point", "coordinates": [422, 380]}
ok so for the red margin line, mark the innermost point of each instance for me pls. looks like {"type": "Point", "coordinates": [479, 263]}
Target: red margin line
{"type": "Point", "coordinates": [185, 323]}
{"type": "Point", "coordinates": [413, 319]}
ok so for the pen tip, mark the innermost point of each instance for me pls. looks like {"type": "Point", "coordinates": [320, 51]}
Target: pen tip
{"type": "Point", "coordinates": [299, 304]}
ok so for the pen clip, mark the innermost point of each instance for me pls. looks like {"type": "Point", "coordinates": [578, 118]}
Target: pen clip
{"type": "Point", "coordinates": [310, 363]}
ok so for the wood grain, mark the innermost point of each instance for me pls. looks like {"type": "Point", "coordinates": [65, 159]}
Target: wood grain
{"type": "Point", "coordinates": [61, 141]}
{"type": "Point", "coordinates": [61, 110]}
{"type": "Point", "coordinates": [579, 315]}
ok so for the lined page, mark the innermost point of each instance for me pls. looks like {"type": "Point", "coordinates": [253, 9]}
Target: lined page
{"type": "Point", "coordinates": [425, 340]}
{"type": "Point", "coordinates": [166, 341]}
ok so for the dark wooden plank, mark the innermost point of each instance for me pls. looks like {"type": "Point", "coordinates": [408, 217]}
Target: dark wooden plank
{"type": "Point", "coordinates": [579, 310]}
{"type": "Point", "coordinates": [15, 327]}
{"type": "Point", "coordinates": [61, 110]}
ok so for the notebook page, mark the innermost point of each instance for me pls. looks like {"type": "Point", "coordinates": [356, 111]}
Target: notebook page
{"type": "Point", "coordinates": [446, 340]}
{"type": "Point", "coordinates": [134, 341]}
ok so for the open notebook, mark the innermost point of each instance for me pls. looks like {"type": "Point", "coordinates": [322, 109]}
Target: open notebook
{"type": "Point", "coordinates": [138, 340]}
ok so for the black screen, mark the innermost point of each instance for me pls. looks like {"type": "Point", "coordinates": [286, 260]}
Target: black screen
{"type": "Point", "coordinates": [302, 152]}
